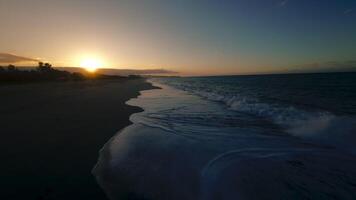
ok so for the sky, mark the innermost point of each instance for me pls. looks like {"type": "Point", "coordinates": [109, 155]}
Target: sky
{"type": "Point", "coordinates": [200, 37]}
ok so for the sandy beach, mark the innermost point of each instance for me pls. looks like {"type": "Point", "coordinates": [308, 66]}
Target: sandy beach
{"type": "Point", "coordinates": [51, 134]}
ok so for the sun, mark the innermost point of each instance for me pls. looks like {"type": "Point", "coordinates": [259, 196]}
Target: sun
{"type": "Point", "coordinates": [91, 64]}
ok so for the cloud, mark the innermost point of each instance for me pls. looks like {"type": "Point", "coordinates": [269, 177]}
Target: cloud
{"type": "Point", "coordinates": [348, 11]}
{"type": "Point", "coordinates": [137, 72]}
{"type": "Point", "coordinates": [283, 3]}
{"type": "Point", "coordinates": [11, 58]}
{"type": "Point", "coordinates": [330, 66]}
{"type": "Point", "coordinates": [124, 72]}
{"type": "Point", "coordinates": [348, 63]}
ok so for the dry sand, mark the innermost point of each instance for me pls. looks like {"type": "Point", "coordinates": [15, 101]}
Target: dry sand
{"type": "Point", "coordinates": [51, 134]}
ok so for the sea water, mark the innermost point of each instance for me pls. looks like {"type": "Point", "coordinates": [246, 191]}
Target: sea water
{"type": "Point", "coordinates": [237, 137]}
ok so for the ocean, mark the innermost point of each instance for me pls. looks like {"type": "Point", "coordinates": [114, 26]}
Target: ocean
{"type": "Point", "coordinates": [237, 137]}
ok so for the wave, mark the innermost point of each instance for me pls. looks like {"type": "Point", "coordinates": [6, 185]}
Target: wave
{"type": "Point", "coordinates": [285, 115]}
{"type": "Point", "coordinates": [317, 125]}
{"type": "Point", "coordinates": [182, 147]}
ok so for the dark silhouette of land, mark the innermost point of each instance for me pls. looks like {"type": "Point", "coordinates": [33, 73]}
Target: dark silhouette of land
{"type": "Point", "coordinates": [45, 72]}
{"type": "Point", "coordinates": [51, 132]}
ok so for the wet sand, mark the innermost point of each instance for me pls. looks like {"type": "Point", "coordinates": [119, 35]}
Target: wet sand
{"type": "Point", "coordinates": [51, 134]}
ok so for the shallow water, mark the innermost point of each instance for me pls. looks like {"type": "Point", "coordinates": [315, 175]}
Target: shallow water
{"type": "Point", "coordinates": [191, 143]}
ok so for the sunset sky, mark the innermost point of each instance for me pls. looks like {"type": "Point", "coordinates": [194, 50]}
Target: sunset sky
{"type": "Point", "coordinates": [200, 37]}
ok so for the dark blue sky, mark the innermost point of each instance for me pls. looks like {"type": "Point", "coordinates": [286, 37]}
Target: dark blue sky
{"type": "Point", "coordinates": [193, 37]}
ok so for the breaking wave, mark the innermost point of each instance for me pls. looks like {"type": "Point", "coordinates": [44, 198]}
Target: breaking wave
{"type": "Point", "coordinates": [186, 144]}
{"type": "Point", "coordinates": [314, 124]}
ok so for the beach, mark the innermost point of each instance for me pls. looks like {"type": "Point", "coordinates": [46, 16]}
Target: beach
{"type": "Point", "coordinates": [52, 132]}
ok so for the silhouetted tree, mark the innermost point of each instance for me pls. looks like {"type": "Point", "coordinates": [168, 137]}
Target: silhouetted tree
{"type": "Point", "coordinates": [40, 64]}
{"type": "Point", "coordinates": [44, 67]}
{"type": "Point", "coordinates": [2, 69]}
{"type": "Point", "coordinates": [48, 65]}
{"type": "Point", "coordinates": [11, 68]}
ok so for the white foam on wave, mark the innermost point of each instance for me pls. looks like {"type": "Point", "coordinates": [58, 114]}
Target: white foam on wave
{"type": "Point", "coordinates": [146, 161]}
{"type": "Point", "coordinates": [283, 115]}
{"type": "Point", "coordinates": [319, 126]}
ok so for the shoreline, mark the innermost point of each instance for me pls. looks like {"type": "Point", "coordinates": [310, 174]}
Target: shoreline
{"type": "Point", "coordinates": [101, 170]}
{"type": "Point", "coordinates": [104, 153]}
{"type": "Point", "coordinates": [52, 134]}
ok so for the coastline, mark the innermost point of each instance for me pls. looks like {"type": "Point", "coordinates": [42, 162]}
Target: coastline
{"type": "Point", "coordinates": [52, 133]}
{"type": "Point", "coordinates": [100, 170]}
